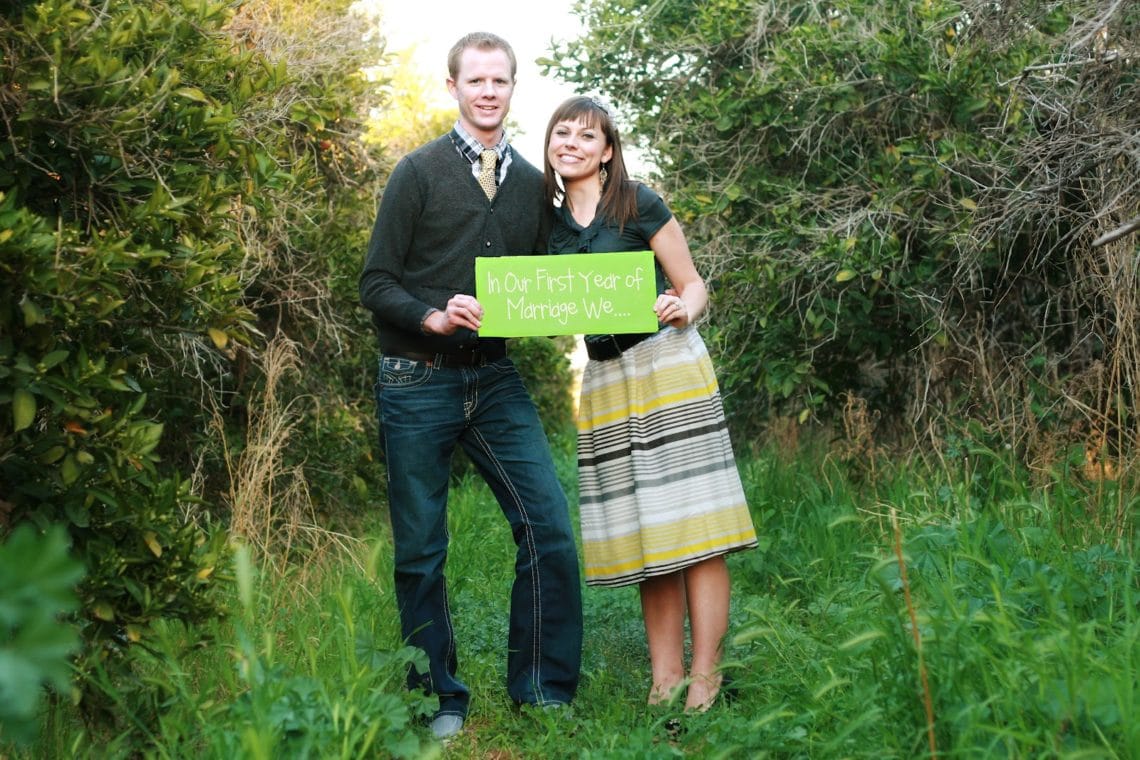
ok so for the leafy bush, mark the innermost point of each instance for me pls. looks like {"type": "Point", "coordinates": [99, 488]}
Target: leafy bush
{"type": "Point", "coordinates": [894, 200]}
{"type": "Point", "coordinates": [179, 182]}
{"type": "Point", "coordinates": [37, 587]}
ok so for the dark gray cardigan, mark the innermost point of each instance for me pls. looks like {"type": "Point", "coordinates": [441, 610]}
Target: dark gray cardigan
{"type": "Point", "coordinates": [433, 221]}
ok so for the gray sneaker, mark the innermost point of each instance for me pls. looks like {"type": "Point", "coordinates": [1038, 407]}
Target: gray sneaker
{"type": "Point", "coordinates": [446, 725]}
{"type": "Point", "coordinates": [562, 709]}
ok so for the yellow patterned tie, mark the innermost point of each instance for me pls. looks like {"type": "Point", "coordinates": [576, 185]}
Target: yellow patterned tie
{"type": "Point", "coordinates": [487, 174]}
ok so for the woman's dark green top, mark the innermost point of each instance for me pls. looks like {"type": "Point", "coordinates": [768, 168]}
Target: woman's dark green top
{"type": "Point", "coordinates": [603, 236]}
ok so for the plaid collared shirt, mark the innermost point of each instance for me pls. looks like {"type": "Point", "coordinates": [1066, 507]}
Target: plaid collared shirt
{"type": "Point", "coordinates": [472, 149]}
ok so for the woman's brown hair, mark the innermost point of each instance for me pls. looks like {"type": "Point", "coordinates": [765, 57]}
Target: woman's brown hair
{"type": "Point", "coordinates": [619, 196]}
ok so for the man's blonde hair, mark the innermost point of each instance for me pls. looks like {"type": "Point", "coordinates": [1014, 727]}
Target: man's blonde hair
{"type": "Point", "coordinates": [479, 41]}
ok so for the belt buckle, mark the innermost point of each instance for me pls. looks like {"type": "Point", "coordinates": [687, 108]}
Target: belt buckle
{"type": "Point", "coordinates": [472, 356]}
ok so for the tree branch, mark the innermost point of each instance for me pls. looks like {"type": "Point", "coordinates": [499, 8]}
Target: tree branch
{"type": "Point", "coordinates": [1118, 233]}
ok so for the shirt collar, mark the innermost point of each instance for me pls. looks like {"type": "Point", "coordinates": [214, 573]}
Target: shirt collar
{"type": "Point", "coordinates": [471, 148]}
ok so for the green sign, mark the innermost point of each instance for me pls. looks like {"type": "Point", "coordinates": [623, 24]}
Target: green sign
{"type": "Point", "coordinates": [566, 294]}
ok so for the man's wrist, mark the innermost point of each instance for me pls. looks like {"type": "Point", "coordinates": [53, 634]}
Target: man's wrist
{"type": "Point", "coordinates": [424, 322]}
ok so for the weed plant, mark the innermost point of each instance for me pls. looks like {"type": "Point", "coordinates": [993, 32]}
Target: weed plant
{"type": "Point", "coordinates": [1015, 631]}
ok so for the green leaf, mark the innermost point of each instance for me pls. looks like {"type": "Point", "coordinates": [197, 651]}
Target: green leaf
{"type": "Point", "coordinates": [54, 358]}
{"type": "Point", "coordinates": [32, 313]}
{"type": "Point", "coordinates": [192, 93]}
{"type": "Point", "coordinates": [78, 514]}
{"type": "Point", "coordinates": [843, 275]}
{"type": "Point", "coordinates": [23, 409]}
{"type": "Point", "coordinates": [69, 470]}
{"type": "Point", "coordinates": [104, 496]}
{"type": "Point", "coordinates": [52, 455]}
{"type": "Point", "coordinates": [151, 540]}
{"type": "Point", "coordinates": [37, 585]}
{"type": "Point", "coordinates": [219, 337]}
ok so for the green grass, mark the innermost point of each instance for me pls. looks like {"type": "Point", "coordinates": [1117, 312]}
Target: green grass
{"type": "Point", "coordinates": [1027, 613]}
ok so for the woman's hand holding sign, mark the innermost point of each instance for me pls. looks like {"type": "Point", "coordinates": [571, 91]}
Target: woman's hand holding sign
{"type": "Point", "coordinates": [681, 304]}
{"type": "Point", "coordinates": [672, 310]}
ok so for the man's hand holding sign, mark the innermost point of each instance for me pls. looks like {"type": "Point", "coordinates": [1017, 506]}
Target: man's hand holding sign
{"type": "Point", "coordinates": [568, 294]}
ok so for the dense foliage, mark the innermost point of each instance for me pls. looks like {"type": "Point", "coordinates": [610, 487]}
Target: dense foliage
{"type": "Point", "coordinates": [37, 585]}
{"type": "Point", "coordinates": [959, 613]}
{"type": "Point", "coordinates": [181, 187]}
{"type": "Point", "coordinates": [897, 200]}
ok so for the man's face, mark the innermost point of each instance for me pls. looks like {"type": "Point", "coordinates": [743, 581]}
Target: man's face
{"type": "Point", "coordinates": [483, 88]}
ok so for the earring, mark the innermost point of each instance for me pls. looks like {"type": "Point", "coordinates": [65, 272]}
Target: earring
{"type": "Point", "coordinates": [603, 175]}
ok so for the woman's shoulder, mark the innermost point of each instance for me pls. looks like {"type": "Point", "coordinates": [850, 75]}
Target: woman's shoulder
{"type": "Point", "coordinates": [651, 207]}
{"type": "Point", "coordinates": [638, 188]}
{"type": "Point", "coordinates": [646, 194]}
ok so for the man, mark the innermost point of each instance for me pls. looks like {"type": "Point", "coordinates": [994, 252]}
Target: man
{"type": "Point", "coordinates": [467, 194]}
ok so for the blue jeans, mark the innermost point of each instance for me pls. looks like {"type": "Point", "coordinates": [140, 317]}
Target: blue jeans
{"type": "Point", "coordinates": [425, 412]}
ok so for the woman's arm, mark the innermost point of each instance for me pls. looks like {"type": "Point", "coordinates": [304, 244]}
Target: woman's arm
{"type": "Point", "coordinates": [672, 251]}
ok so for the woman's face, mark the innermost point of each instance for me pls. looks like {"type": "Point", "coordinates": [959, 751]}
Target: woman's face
{"type": "Point", "coordinates": [577, 150]}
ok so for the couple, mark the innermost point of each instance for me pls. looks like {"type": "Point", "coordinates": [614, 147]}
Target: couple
{"type": "Point", "coordinates": [661, 501]}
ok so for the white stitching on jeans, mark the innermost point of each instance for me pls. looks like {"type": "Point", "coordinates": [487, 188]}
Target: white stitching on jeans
{"type": "Point", "coordinates": [536, 585]}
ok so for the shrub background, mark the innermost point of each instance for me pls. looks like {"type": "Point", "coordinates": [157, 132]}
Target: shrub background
{"type": "Point", "coordinates": [907, 203]}
{"type": "Point", "coordinates": [918, 221]}
{"type": "Point", "coordinates": [182, 187]}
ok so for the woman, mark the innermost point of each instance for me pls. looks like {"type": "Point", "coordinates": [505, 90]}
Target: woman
{"type": "Point", "coordinates": [661, 500]}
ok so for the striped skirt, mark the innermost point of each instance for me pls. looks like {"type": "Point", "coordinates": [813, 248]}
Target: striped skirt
{"type": "Point", "coordinates": [658, 484]}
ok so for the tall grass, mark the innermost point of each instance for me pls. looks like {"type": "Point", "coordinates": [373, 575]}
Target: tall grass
{"type": "Point", "coordinates": [270, 508]}
{"type": "Point", "coordinates": [1029, 631]}
{"type": "Point", "coordinates": [1026, 613]}
{"type": "Point", "coordinates": [316, 674]}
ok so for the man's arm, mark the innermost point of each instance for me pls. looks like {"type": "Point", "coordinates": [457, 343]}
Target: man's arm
{"type": "Point", "coordinates": [381, 283]}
